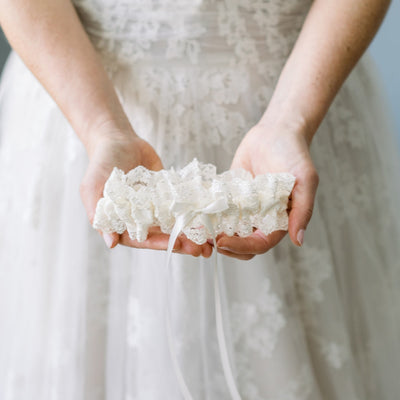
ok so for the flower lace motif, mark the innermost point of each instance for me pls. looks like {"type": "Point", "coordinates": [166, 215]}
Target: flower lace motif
{"type": "Point", "coordinates": [234, 201]}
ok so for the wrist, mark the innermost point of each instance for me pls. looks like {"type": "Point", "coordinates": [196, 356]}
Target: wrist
{"type": "Point", "coordinates": [107, 129]}
{"type": "Point", "coordinates": [287, 122]}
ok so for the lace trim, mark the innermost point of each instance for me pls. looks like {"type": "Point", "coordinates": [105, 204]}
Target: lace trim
{"type": "Point", "coordinates": [235, 201]}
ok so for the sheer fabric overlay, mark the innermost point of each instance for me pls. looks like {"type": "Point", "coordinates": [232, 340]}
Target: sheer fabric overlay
{"type": "Point", "coordinates": [78, 321]}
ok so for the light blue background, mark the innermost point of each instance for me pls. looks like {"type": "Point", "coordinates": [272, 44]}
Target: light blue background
{"type": "Point", "coordinates": [385, 49]}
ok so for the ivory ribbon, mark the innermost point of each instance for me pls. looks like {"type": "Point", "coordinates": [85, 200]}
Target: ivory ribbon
{"type": "Point", "coordinates": [182, 220]}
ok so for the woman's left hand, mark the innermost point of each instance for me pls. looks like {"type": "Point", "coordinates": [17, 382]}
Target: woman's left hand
{"type": "Point", "coordinates": [264, 150]}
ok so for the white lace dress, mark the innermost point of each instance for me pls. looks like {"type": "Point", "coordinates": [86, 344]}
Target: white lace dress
{"type": "Point", "coordinates": [81, 322]}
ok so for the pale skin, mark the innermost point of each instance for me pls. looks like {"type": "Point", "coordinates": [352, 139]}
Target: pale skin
{"type": "Point", "coordinates": [61, 56]}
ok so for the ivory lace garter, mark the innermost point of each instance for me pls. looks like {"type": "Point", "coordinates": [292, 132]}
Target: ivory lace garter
{"type": "Point", "coordinates": [234, 200]}
{"type": "Point", "coordinates": [200, 203]}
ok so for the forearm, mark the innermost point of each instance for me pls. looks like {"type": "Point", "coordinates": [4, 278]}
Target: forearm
{"type": "Point", "coordinates": [333, 38]}
{"type": "Point", "coordinates": [48, 36]}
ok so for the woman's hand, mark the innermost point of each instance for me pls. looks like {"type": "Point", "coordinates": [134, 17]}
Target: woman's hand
{"type": "Point", "coordinates": [270, 149]}
{"type": "Point", "coordinates": [127, 152]}
{"type": "Point", "coordinates": [332, 40]}
{"type": "Point", "coordinates": [56, 48]}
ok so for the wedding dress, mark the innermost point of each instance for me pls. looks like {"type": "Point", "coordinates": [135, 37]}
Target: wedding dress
{"type": "Point", "coordinates": [79, 321]}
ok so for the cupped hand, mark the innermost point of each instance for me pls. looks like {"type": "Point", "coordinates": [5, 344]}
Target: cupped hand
{"type": "Point", "coordinates": [126, 153]}
{"type": "Point", "coordinates": [265, 150]}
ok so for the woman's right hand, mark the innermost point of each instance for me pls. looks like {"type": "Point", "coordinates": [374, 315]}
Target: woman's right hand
{"type": "Point", "coordinates": [127, 152]}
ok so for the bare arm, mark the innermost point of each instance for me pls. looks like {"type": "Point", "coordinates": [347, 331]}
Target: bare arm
{"type": "Point", "coordinates": [49, 37]}
{"type": "Point", "coordinates": [333, 38]}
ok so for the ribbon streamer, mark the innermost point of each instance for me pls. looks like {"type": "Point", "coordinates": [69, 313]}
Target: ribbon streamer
{"type": "Point", "coordinates": [181, 221]}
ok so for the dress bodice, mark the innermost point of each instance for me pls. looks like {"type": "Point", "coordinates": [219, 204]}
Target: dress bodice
{"type": "Point", "coordinates": [192, 62]}
{"type": "Point", "coordinates": [250, 30]}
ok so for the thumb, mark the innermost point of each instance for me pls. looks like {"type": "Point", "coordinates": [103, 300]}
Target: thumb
{"type": "Point", "coordinates": [303, 196]}
{"type": "Point", "coordinates": [157, 165]}
{"type": "Point", "coordinates": [91, 190]}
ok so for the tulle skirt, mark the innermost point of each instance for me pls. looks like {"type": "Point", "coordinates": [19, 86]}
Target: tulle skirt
{"type": "Point", "coordinates": [79, 321]}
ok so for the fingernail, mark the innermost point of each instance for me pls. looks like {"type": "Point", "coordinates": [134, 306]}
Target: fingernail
{"type": "Point", "coordinates": [224, 248]}
{"type": "Point", "coordinates": [108, 240]}
{"type": "Point", "coordinates": [300, 236]}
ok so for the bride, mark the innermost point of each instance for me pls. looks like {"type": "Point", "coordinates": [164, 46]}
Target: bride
{"type": "Point", "coordinates": [254, 84]}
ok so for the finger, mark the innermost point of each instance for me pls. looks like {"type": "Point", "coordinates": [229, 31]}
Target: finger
{"type": "Point", "coordinates": [91, 190]}
{"type": "Point", "coordinates": [189, 247]}
{"type": "Point", "coordinates": [302, 205]}
{"type": "Point", "coordinates": [237, 256]}
{"type": "Point", "coordinates": [157, 165]}
{"type": "Point", "coordinates": [256, 243]}
{"type": "Point", "coordinates": [155, 240]}
{"type": "Point", "coordinates": [207, 250]}
{"type": "Point", "coordinates": [111, 239]}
